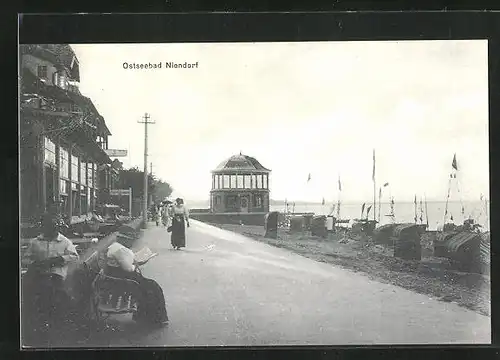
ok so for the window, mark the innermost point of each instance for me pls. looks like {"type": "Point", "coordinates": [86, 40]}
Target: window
{"type": "Point", "coordinates": [265, 181]}
{"type": "Point", "coordinates": [74, 168]}
{"type": "Point", "coordinates": [253, 181]}
{"type": "Point", "coordinates": [213, 182]}
{"type": "Point", "coordinates": [89, 200]}
{"type": "Point", "coordinates": [258, 201]}
{"type": "Point", "coordinates": [225, 182]}
{"type": "Point", "coordinates": [64, 163]}
{"type": "Point", "coordinates": [50, 151]}
{"type": "Point", "coordinates": [63, 187]}
{"type": "Point", "coordinates": [90, 177]}
{"type": "Point", "coordinates": [232, 202]}
{"type": "Point", "coordinates": [217, 200]}
{"type": "Point", "coordinates": [42, 71]}
{"type": "Point", "coordinates": [60, 80]}
{"type": "Point", "coordinates": [83, 173]}
{"type": "Point", "coordinates": [259, 182]}
{"type": "Point", "coordinates": [216, 182]}
{"type": "Point", "coordinates": [248, 182]}
{"type": "Point", "coordinates": [239, 181]}
{"type": "Point", "coordinates": [233, 181]}
{"type": "Point", "coordinates": [84, 199]}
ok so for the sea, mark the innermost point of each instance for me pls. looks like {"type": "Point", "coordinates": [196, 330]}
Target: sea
{"type": "Point", "coordinates": [403, 212]}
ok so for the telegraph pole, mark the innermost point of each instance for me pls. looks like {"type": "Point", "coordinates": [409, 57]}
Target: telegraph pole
{"type": "Point", "coordinates": [146, 122]}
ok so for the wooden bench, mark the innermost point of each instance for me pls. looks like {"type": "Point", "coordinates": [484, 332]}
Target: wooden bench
{"type": "Point", "coordinates": [114, 295]}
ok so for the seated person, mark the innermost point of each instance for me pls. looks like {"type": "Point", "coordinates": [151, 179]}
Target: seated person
{"type": "Point", "coordinates": [51, 252]}
{"type": "Point", "coordinates": [151, 303]}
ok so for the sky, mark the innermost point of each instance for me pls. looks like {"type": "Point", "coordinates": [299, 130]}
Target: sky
{"type": "Point", "coordinates": [300, 108]}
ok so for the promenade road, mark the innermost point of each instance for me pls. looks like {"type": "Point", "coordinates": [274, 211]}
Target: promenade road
{"type": "Point", "coordinates": [227, 289]}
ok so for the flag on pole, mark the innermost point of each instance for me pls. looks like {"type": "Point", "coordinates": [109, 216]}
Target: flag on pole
{"type": "Point", "coordinates": [363, 209]}
{"type": "Point", "coordinates": [373, 174]}
{"type": "Point", "coordinates": [454, 162]}
{"type": "Point", "coordinates": [386, 184]}
{"type": "Point", "coordinates": [379, 194]}
{"type": "Point", "coordinates": [309, 177]}
{"type": "Point", "coordinates": [340, 184]}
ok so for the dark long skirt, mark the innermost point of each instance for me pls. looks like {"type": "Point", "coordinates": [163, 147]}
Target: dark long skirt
{"type": "Point", "coordinates": [151, 303]}
{"type": "Point", "coordinates": [178, 237]}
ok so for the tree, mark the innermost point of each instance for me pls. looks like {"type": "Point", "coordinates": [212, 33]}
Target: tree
{"type": "Point", "coordinates": [134, 178]}
{"type": "Point", "coordinates": [161, 190]}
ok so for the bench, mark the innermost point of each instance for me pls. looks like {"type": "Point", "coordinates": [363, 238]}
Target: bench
{"type": "Point", "coordinates": [114, 295]}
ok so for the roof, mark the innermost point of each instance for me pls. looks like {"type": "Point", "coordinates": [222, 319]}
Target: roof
{"type": "Point", "coordinates": [58, 54]}
{"type": "Point", "coordinates": [241, 162]}
{"type": "Point", "coordinates": [32, 84]}
{"type": "Point", "coordinates": [404, 228]}
{"type": "Point", "coordinates": [455, 242]}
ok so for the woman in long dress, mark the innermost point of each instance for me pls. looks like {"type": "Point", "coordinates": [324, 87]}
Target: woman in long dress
{"type": "Point", "coordinates": [180, 219]}
{"type": "Point", "coordinates": [151, 305]}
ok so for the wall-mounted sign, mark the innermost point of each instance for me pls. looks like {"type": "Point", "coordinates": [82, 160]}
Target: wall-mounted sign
{"type": "Point", "coordinates": [119, 192]}
{"type": "Point", "coordinates": [116, 152]}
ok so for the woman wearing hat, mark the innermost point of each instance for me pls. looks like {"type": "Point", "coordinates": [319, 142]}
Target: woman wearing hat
{"type": "Point", "coordinates": [180, 219]}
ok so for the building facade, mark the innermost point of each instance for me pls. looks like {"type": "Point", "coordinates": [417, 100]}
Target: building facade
{"type": "Point", "coordinates": [240, 184]}
{"type": "Point", "coordinates": [63, 137]}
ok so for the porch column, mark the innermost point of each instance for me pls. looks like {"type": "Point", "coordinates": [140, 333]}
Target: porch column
{"type": "Point", "coordinates": [70, 190]}
{"type": "Point", "coordinates": [79, 191]}
{"type": "Point", "coordinates": [57, 175]}
{"type": "Point", "coordinates": [43, 172]}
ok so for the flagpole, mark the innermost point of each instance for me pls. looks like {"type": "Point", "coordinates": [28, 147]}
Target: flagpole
{"type": "Point", "coordinates": [338, 201]}
{"type": "Point", "coordinates": [379, 203]}
{"type": "Point", "coordinates": [374, 189]}
{"type": "Point", "coordinates": [426, 212]}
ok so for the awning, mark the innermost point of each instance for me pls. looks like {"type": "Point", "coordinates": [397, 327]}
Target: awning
{"type": "Point", "coordinates": [89, 146]}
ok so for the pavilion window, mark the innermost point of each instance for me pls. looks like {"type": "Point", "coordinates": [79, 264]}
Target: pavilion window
{"type": "Point", "coordinates": [233, 182]}
{"type": "Point", "coordinates": [239, 181]}
{"type": "Point", "coordinates": [213, 182]}
{"type": "Point", "coordinates": [219, 181]}
{"type": "Point", "coordinates": [248, 182]}
{"type": "Point", "coordinates": [259, 181]}
{"type": "Point", "coordinates": [258, 201]}
{"type": "Point", "coordinates": [232, 202]}
{"type": "Point", "coordinates": [225, 183]}
{"type": "Point", "coordinates": [265, 185]}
